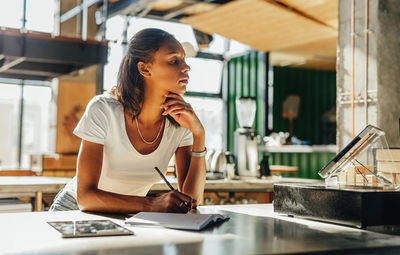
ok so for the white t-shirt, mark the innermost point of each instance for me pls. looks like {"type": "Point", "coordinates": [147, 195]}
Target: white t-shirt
{"type": "Point", "coordinates": [124, 170]}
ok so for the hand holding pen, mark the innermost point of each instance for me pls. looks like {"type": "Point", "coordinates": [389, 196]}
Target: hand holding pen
{"type": "Point", "coordinates": [176, 201]}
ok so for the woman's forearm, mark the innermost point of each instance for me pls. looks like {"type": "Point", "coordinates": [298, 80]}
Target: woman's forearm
{"type": "Point", "coordinates": [196, 177]}
{"type": "Point", "coordinates": [103, 201]}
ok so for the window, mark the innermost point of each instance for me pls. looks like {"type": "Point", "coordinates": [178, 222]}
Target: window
{"type": "Point", "coordinates": [217, 45]}
{"type": "Point", "coordinates": [237, 48]}
{"type": "Point", "coordinates": [39, 14]}
{"type": "Point", "coordinates": [211, 114]}
{"type": "Point", "coordinates": [182, 32]}
{"type": "Point", "coordinates": [38, 17]}
{"type": "Point", "coordinates": [205, 75]}
{"type": "Point", "coordinates": [115, 54]}
{"type": "Point", "coordinates": [36, 122]}
{"type": "Point", "coordinates": [9, 135]}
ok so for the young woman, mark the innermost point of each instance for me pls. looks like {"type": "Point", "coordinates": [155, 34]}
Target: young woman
{"type": "Point", "coordinates": [140, 125]}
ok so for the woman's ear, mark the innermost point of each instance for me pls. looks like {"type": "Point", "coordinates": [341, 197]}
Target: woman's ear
{"type": "Point", "coordinates": [144, 69]}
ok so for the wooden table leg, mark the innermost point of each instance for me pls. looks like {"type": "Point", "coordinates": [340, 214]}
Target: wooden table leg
{"type": "Point", "coordinates": [38, 201]}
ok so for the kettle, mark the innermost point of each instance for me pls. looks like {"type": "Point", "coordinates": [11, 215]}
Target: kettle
{"type": "Point", "coordinates": [218, 164]}
{"type": "Point", "coordinates": [223, 165]}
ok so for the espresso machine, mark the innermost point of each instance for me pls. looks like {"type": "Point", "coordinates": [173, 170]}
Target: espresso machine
{"type": "Point", "coordinates": [246, 138]}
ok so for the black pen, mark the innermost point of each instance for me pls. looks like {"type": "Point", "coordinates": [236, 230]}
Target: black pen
{"type": "Point", "coordinates": [165, 179]}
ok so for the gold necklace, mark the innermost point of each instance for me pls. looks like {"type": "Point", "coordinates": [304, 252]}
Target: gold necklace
{"type": "Point", "coordinates": [140, 134]}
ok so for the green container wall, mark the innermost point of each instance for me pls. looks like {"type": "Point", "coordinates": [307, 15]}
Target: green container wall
{"type": "Point", "coordinates": [309, 163]}
{"type": "Point", "coordinates": [246, 77]}
{"type": "Point", "coordinates": [317, 91]}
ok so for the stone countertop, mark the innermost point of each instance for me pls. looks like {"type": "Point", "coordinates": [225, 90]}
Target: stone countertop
{"type": "Point", "coordinates": [242, 185]}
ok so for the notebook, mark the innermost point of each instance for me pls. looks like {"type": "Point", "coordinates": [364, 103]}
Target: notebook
{"type": "Point", "coordinates": [176, 220]}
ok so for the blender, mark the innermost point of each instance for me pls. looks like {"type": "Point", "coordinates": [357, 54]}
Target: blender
{"type": "Point", "coordinates": [246, 138]}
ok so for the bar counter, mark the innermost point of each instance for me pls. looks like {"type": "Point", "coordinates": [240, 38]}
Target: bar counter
{"type": "Point", "coordinates": [252, 229]}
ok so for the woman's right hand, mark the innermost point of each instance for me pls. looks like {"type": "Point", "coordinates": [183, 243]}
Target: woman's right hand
{"type": "Point", "coordinates": [173, 201]}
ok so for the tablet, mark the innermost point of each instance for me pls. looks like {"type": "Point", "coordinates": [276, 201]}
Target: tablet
{"type": "Point", "coordinates": [359, 144]}
{"type": "Point", "coordinates": [85, 228]}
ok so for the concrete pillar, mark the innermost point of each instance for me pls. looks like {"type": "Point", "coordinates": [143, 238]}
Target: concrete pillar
{"type": "Point", "coordinates": [383, 70]}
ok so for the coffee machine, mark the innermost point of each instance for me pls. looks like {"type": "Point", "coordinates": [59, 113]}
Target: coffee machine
{"type": "Point", "coordinates": [246, 138]}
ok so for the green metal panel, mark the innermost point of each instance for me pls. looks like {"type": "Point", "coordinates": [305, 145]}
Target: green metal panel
{"type": "Point", "coordinates": [246, 77]}
{"type": "Point", "coordinates": [309, 163]}
{"type": "Point", "coordinates": [317, 91]}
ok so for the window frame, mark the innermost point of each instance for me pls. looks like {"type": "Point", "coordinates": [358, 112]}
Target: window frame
{"type": "Point", "coordinates": [22, 84]}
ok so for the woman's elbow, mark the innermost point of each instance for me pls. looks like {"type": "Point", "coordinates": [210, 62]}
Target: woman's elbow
{"type": "Point", "coordinates": [84, 200]}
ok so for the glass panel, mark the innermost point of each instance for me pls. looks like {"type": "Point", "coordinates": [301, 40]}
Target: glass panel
{"type": "Point", "coordinates": [211, 114]}
{"type": "Point", "coordinates": [236, 48]}
{"type": "Point", "coordinates": [182, 32]}
{"type": "Point", "coordinates": [35, 129]}
{"type": "Point", "coordinates": [38, 17]}
{"type": "Point", "coordinates": [9, 128]}
{"type": "Point", "coordinates": [115, 52]}
{"type": "Point", "coordinates": [205, 75]}
{"type": "Point", "coordinates": [217, 45]}
{"type": "Point", "coordinates": [11, 13]}
{"type": "Point", "coordinates": [114, 28]}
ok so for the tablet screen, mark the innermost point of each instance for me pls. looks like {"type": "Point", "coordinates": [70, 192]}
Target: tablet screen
{"type": "Point", "coordinates": [85, 228]}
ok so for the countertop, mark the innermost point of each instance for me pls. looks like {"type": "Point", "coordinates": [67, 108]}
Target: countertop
{"type": "Point", "coordinates": [11, 186]}
{"type": "Point", "coordinates": [242, 185]}
{"type": "Point", "coordinates": [252, 229]}
{"type": "Point", "coordinates": [299, 148]}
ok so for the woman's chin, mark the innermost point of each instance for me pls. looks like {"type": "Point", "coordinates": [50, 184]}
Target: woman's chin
{"type": "Point", "coordinates": [179, 90]}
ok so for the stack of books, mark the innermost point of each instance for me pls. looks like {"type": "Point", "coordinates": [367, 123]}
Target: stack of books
{"type": "Point", "coordinates": [387, 162]}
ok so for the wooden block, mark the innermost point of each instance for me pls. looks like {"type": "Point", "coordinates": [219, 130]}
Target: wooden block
{"type": "Point", "coordinates": [388, 176]}
{"type": "Point", "coordinates": [396, 178]}
{"type": "Point", "coordinates": [71, 174]}
{"type": "Point", "coordinates": [388, 167]}
{"type": "Point", "coordinates": [389, 154]}
{"type": "Point", "coordinates": [371, 179]}
{"type": "Point", "coordinates": [360, 179]}
{"type": "Point", "coordinates": [58, 161]}
{"type": "Point", "coordinates": [48, 173]}
{"type": "Point", "coordinates": [17, 173]}
{"type": "Point", "coordinates": [342, 177]}
{"type": "Point", "coordinates": [351, 176]}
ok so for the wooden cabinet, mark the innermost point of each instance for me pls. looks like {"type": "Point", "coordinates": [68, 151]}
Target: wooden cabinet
{"type": "Point", "coordinates": [55, 165]}
{"type": "Point", "coordinates": [225, 198]}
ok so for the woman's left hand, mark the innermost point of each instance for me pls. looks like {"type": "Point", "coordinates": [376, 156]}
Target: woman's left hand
{"type": "Point", "coordinates": [182, 113]}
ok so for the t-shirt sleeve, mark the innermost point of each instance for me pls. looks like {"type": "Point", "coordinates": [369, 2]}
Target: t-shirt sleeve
{"type": "Point", "coordinates": [94, 123]}
{"type": "Point", "coordinates": [187, 138]}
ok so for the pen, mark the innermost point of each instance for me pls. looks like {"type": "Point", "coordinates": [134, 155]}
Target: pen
{"type": "Point", "coordinates": [165, 179]}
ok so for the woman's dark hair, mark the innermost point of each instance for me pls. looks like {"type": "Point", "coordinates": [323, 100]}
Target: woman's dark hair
{"type": "Point", "coordinates": [142, 47]}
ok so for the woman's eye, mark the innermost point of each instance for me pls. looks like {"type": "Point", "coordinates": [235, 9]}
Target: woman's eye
{"type": "Point", "coordinates": [175, 61]}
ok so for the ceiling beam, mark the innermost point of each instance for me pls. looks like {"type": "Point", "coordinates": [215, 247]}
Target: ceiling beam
{"type": "Point", "coordinates": [11, 64]}
{"type": "Point", "coordinates": [122, 7]}
{"type": "Point", "coordinates": [173, 12]}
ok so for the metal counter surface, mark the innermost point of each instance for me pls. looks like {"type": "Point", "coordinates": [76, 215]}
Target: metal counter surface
{"type": "Point", "coordinates": [252, 229]}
